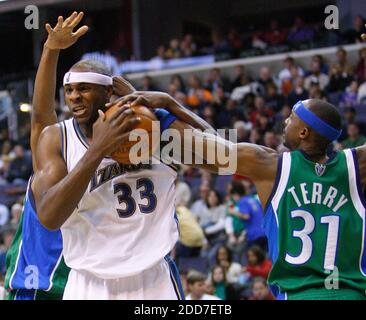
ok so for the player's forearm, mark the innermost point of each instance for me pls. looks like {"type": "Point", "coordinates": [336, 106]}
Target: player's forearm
{"type": "Point", "coordinates": [45, 88]}
{"type": "Point", "coordinates": [188, 116]}
{"type": "Point", "coordinates": [60, 201]}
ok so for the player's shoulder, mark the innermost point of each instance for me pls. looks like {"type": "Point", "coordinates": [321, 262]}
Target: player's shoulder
{"type": "Point", "coordinates": [50, 134]}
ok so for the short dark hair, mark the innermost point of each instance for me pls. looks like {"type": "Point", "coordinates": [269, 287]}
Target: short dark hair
{"type": "Point", "coordinates": [90, 65]}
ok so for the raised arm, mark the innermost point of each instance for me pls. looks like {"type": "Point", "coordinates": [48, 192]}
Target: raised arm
{"type": "Point", "coordinates": [57, 191]}
{"type": "Point", "coordinates": [43, 112]}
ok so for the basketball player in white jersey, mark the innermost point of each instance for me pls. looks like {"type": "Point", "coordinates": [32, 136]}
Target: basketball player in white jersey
{"type": "Point", "coordinates": [118, 222]}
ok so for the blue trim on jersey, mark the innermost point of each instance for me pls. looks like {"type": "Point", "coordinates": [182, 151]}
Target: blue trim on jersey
{"type": "Point", "coordinates": [176, 220]}
{"type": "Point", "coordinates": [62, 140]}
{"type": "Point", "coordinates": [362, 198]}
{"type": "Point", "coordinates": [276, 182]}
{"type": "Point", "coordinates": [80, 134]}
{"type": "Point", "coordinates": [165, 118]}
{"type": "Point", "coordinates": [174, 276]}
{"type": "Point", "coordinates": [40, 252]}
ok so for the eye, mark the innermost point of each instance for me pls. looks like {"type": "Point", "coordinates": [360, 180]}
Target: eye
{"type": "Point", "coordinates": [68, 90]}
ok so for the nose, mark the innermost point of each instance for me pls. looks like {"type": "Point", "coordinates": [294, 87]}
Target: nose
{"type": "Point", "coordinates": [74, 96]}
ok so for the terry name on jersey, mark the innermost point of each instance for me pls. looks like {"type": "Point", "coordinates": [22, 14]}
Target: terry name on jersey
{"type": "Point", "coordinates": [316, 193]}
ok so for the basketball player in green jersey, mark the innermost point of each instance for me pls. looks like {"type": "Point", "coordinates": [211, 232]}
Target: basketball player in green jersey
{"type": "Point", "coordinates": [314, 205]}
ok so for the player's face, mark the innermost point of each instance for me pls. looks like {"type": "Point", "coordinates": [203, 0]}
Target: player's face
{"type": "Point", "coordinates": [84, 100]}
{"type": "Point", "coordinates": [290, 134]}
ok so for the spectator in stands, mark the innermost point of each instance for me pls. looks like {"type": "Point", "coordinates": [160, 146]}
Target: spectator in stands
{"type": "Point", "coordinates": [259, 107]}
{"type": "Point", "coordinates": [20, 167]}
{"type": "Point", "coordinates": [239, 71]}
{"type": "Point", "coordinates": [260, 290]}
{"type": "Point", "coordinates": [219, 43]}
{"type": "Point", "coordinates": [4, 215]}
{"type": "Point", "coordinates": [361, 66]}
{"type": "Point", "coordinates": [235, 220]}
{"type": "Point", "coordinates": [315, 91]}
{"type": "Point", "coordinates": [178, 81]}
{"type": "Point", "coordinates": [355, 139]}
{"type": "Point", "coordinates": [215, 214]}
{"type": "Point", "coordinates": [338, 80]}
{"type": "Point", "coordinates": [232, 269]}
{"type": "Point", "coordinates": [148, 84]}
{"type": "Point", "coordinates": [16, 212]}
{"type": "Point", "coordinates": [299, 92]}
{"type": "Point", "coordinates": [300, 33]}
{"type": "Point", "coordinates": [187, 46]}
{"type": "Point", "coordinates": [285, 73]}
{"type": "Point", "coordinates": [197, 95]}
{"type": "Point", "coordinates": [354, 35]}
{"type": "Point", "coordinates": [349, 116]}
{"type": "Point", "coordinates": [265, 78]}
{"type": "Point", "coordinates": [264, 123]}
{"type": "Point", "coordinates": [222, 289]}
{"type": "Point", "coordinates": [215, 80]}
{"type": "Point", "coordinates": [349, 97]}
{"type": "Point", "coordinates": [281, 117]}
{"type": "Point", "coordinates": [242, 130]}
{"type": "Point", "coordinates": [316, 76]}
{"type": "Point", "coordinates": [342, 60]}
{"type": "Point", "coordinates": [274, 36]}
{"type": "Point", "coordinates": [200, 205]}
{"type": "Point", "coordinates": [174, 51]}
{"type": "Point", "coordinates": [361, 95]}
{"type": "Point", "coordinates": [323, 66]}
{"type": "Point", "coordinates": [271, 140]}
{"type": "Point", "coordinates": [258, 265]}
{"type": "Point", "coordinates": [234, 41]}
{"type": "Point", "coordinates": [7, 234]}
{"type": "Point", "coordinates": [197, 287]}
{"type": "Point", "coordinates": [274, 100]}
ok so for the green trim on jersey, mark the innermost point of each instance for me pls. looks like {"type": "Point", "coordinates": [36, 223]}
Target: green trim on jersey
{"type": "Point", "coordinates": [320, 223]}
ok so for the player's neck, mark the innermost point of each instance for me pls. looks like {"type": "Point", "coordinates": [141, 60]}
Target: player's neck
{"type": "Point", "coordinates": [314, 154]}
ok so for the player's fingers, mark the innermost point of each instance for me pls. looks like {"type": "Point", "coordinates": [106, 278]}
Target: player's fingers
{"type": "Point", "coordinates": [76, 20]}
{"type": "Point", "coordinates": [139, 101]}
{"type": "Point", "coordinates": [69, 19]}
{"type": "Point", "coordinates": [81, 31]}
{"type": "Point", "coordinates": [126, 99]}
{"type": "Point", "coordinates": [48, 28]}
{"type": "Point", "coordinates": [60, 21]}
{"type": "Point", "coordinates": [101, 115]}
{"type": "Point", "coordinates": [129, 124]}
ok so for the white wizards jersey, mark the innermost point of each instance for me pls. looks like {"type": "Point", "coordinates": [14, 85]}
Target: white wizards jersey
{"type": "Point", "coordinates": [125, 222]}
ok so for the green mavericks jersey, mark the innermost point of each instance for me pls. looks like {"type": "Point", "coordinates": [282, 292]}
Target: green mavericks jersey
{"type": "Point", "coordinates": [315, 224]}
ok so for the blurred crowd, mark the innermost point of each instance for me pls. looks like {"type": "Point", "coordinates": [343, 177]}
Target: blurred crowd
{"type": "Point", "coordinates": [222, 251]}
{"type": "Point", "coordinates": [272, 38]}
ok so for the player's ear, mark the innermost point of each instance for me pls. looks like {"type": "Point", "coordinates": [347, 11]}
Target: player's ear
{"type": "Point", "coordinates": [304, 132]}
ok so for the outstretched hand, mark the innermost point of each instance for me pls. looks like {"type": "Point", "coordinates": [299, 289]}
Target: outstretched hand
{"type": "Point", "coordinates": [150, 99]}
{"type": "Point", "coordinates": [62, 35]}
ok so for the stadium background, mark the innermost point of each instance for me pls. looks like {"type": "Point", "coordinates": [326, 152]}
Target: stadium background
{"type": "Point", "coordinates": [238, 64]}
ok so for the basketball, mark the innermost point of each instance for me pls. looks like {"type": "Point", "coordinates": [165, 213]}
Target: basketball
{"type": "Point", "coordinates": [148, 146]}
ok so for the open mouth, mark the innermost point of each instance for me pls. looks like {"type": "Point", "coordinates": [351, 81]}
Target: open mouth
{"type": "Point", "coordinates": [78, 111]}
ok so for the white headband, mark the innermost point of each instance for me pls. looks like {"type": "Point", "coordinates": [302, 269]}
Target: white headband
{"type": "Point", "coordinates": [87, 77]}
